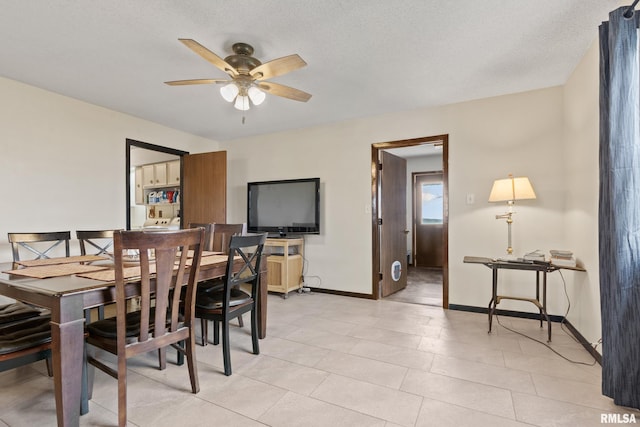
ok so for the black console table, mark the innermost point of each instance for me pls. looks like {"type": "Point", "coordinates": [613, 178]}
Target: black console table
{"type": "Point", "coordinates": [539, 267]}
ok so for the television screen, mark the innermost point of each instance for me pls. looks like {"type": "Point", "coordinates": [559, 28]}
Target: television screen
{"type": "Point", "coordinates": [284, 207]}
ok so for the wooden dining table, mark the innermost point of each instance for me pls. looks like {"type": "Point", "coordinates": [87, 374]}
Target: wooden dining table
{"type": "Point", "coordinates": [68, 295]}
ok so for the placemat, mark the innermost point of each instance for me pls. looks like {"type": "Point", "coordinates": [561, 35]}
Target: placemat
{"type": "Point", "coordinates": [61, 260]}
{"type": "Point", "coordinates": [204, 253]}
{"type": "Point", "coordinates": [131, 272]}
{"type": "Point", "coordinates": [211, 259]}
{"type": "Point", "coordinates": [42, 272]}
{"type": "Point", "coordinates": [110, 275]}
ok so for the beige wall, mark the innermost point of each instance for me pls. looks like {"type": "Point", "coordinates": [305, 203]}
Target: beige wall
{"type": "Point", "coordinates": [62, 161]}
{"type": "Point", "coordinates": [581, 188]}
{"type": "Point", "coordinates": [489, 138]}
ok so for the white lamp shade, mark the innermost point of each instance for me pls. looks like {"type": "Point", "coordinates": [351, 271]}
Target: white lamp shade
{"type": "Point", "coordinates": [229, 92]}
{"type": "Point", "coordinates": [242, 103]}
{"type": "Point", "coordinates": [256, 95]}
{"type": "Point", "coordinates": [511, 189]}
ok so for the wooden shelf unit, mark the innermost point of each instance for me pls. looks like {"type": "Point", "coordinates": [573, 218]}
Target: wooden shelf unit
{"type": "Point", "coordinates": [284, 271]}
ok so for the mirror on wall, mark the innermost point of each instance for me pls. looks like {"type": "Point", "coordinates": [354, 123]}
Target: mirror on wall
{"type": "Point", "coordinates": [153, 186]}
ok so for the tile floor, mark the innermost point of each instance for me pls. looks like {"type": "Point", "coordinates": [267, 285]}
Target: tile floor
{"type": "Point", "coordinates": [424, 286]}
{"type": "Point", "coordinates": [338, 361]}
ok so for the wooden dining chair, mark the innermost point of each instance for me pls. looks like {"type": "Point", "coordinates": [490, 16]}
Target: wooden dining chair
{"type": "Point", "coordinates": [222, 305]}
{"type": "Point", "coordinates": [219, 236]}
{"type": "Point", "coordinates": [160, 322]}
{"type": "Point", "coordinates": [33, 243]}
{"type": "Point", "coordinates": [208, 236]}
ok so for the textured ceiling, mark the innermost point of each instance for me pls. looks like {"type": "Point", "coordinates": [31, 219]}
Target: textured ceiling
{"type": "Point", "coordinates": [365, 57]}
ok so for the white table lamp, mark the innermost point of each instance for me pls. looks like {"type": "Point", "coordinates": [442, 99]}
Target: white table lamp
{"type": "Point", "coordinates": [509, 190]}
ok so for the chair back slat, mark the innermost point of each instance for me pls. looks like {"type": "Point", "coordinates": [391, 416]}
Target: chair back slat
{"type": "Point", "coordinates": [27, 241]}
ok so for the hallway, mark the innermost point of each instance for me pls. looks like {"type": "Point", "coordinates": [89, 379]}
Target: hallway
{"type": "Point", "coordinates": [424, 286]}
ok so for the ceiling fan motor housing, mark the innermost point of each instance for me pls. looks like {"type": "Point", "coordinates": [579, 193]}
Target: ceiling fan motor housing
{"type": "Point", "coordinates": [242, 59]}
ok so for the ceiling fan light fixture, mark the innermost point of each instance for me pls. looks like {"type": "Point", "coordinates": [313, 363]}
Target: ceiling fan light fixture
{"type": "Point", "coordinates": [242, 103]}
{"type": "Point", "coordinates": [256, 95]}
{"type": "Point", "coordinates": [229, 92]}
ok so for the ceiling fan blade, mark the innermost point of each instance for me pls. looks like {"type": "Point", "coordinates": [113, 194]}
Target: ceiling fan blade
{"type": "Point", "coordinates": [277, 67]}
{"type": "Point", "coordinates": [195, 82]}
{"type": "Point", "coordinates": [210, 56]}
{"type": "Point", "coordinates": [284, 91]}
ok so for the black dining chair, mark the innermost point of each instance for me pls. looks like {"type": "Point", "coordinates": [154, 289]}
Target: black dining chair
{"type": "Point", "coordinates": [160, 322]}
{"type": "Point", "coordinates": [218, 236]}
{"type": "Point", "coordinates": [96, 242]}
{"type": "Point", "coordinates": [222, 305]}
{"type": "Point", "coordinates": [25, 337]}
{"type": "Point", "coordinates": [38, 245]}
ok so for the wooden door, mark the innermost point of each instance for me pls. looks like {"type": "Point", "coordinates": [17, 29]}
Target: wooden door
{"type": "Point", "coordinates": [393, 230]}
{"type": "Point", "coordinates": [204, 188]}
{"type": "Point", "coordinates": [428, 245]}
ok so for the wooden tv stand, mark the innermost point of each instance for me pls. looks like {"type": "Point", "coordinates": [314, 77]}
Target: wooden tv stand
{"type": "Point", "coordinates": [284, 270]}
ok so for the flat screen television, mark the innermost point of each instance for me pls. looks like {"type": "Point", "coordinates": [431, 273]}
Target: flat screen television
{"type": "Point", "coordinates": [286, 207]}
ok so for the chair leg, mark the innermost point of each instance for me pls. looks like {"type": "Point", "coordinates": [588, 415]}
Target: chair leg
{"type": "Point", "coordinates": [216, 332]}
{"type": "Point", "coordinates": [87, 316]}
{"type": "Point", "coordinates": [204, 327]}
{"type": "Point", "coordinates": [254, 330]}
{"type": "Point", "coordinates": [49, 366]}
{"type": "Point", "coordinates": [240, 321]}
{"type": "Point", "coordinates": [226, 351]}
{"type": "Point", "coordinates": [190, 350]}
{"type": "Point", "coordinates": [180, 360]}
{"type": "Point", "coordinates": [162, 358]}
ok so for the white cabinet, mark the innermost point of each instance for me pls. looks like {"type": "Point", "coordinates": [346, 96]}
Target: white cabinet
{"type": "Point", "coordinates": [148, 176]}
{"type": "Point", "coordinates": [173, 172]}
{"type": "Point", "coordinates": [139, 190]}
{"type": "Point", "coordinates": [154, 175]}
{"type": "Point", "coordinates": [160, 171]}
{"type": "Point", "coordinates": [158, 187]}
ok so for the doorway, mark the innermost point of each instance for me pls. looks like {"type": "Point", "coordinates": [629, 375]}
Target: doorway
{"type": "Point", "coordinates": [137, 154]}
{"type": "Point", "coordinates": [410, 149]}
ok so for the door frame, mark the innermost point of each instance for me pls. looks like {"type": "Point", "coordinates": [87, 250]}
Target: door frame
{"type": "Point", "coordinates": [139, 144]}
{"type": "Point", "coordinates": [375, 238]}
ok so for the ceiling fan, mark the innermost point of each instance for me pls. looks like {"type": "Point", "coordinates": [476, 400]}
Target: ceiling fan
{"type": "Point", "coordinates": [247, 74]}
